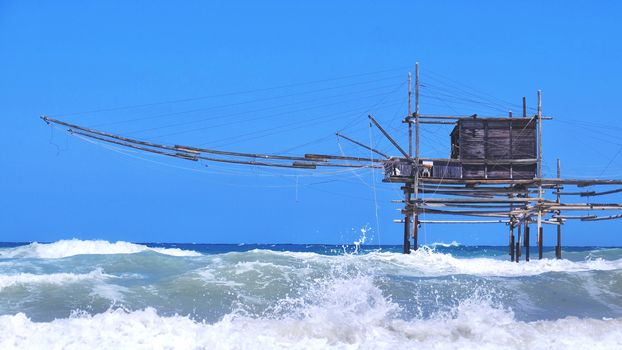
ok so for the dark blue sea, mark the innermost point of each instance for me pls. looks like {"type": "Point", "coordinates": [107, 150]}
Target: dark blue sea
{"type": "Point", "coordinates": [80, 294]}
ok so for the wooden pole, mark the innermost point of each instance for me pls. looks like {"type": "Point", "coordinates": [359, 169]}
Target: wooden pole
{"type": "Point", "coordinates": [539, 134]}
{"type": "Point", "coordinates": [511, 242]}
{"type": "Point", "coordinates": [540, 237]}
{"type": "Point", "coordinates": [410, 125]}
{"type": "Point", "coordinates": [526, 244]}
{"type": "Point", "coordinates": [539, 224]}
{"type": "Point", "coordinates": [518, 241]}
{"type": "Point", "coordinates": [558, 246]}
{"type": "Point", "coordinates": [407, 218]}
{"type": "Point", "coordinates": [417, 112]}
{"type": "Point", "coordinates": [407, 234]}
{"type": "Point", "coordinates": [389, 137]}
{"type": "Point", "coordinates": [415, 232]}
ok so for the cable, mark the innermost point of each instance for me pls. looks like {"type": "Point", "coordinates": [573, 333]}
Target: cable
{"type": "Point", "coordinates": [224, 94]}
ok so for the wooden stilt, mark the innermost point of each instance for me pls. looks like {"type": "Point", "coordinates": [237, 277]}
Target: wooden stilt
{"type": "Point", "coordinates": [511, 242]}
{"type": "Point", "coordinates": [407, 234]}
{"type": "Point", "coordinates": [415, 232]}
{"type": "Point", "coordinates": [518, 238]}
{"type": "Point", "coordinates": [410, 124]}
{"type": "Point", "coordinates": [526, 244]}
{"type": "Point", "coordinates": [540, 237]}
{"type": "Point", "coordinates": [407, 219]}
{"type": "Point", "coordinates": [558, 246]}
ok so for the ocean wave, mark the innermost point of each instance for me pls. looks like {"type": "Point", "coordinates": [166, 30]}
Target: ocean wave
{"type": "Point", "coordinates": [53, 278]}
{"type": "Point", "coordinates": [340, 302]}
{"type": "Point", "coordinates": [427, 262]}
{"type": "Point", "coordinates": [473, 326]}
{"type": "Point", "coordinates": [71, 247]}
{"type": "Point", "coordinates": [431, 263]}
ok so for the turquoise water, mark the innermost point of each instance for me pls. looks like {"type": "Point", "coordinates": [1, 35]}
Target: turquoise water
{"type": "Point", "coordinates": [98, 294]}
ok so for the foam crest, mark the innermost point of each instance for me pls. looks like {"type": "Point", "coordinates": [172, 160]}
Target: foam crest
{"type": "Point", "coordinates": [431, 263]}
{"type": "Point", "coordinates": [472, 325]}
{"type": "Point", "coordinates": [71, 247]}
{"type": "Point", "coordinates": [53, 278]}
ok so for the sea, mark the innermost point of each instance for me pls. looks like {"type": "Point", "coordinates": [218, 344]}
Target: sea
{"type": "Point", "coordinates": [96, 294]}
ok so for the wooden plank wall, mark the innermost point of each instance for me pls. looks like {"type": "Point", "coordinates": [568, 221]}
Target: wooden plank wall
{"type": "Point", "coordinates": [497, 139]}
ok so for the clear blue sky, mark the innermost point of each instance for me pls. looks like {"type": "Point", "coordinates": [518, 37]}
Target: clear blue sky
{"type": "Point", "coordinates": [341, 61]}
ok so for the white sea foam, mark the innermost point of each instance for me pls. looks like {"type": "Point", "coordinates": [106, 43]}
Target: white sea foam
{"type": "Point", "coordinates": [428, 262]}
{"type": "Point", "coordinates": [71, 247]}
{"type": "Point", "coordinates": [53, 278]}
{"type": "Point", "coordinates": [343, 308]}
{"type": "Point", "coordinates": [361, 325]}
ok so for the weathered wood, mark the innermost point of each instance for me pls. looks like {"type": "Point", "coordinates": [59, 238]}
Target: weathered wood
{"type": "Point", "coordinates": [406, 245]}
{"type": "Point", "coordinates": [558, 246]}
{"type": "Point", "coordinates": [572, 217]}
{"type": "Point", "coordinates": [500, 214]}
{"type": "Point", "coordinates": [417, 121]}
{"type": "Point", "coordinates": [463, 221]}
{"type": "Point", "coordinates": [511, 242]}
{"type": "Point", "coordinates": [389, 137]}
{"type": "Point", "coordinates": [526, 244]}
{"type": "Point", "coordinates": [324, 157]}
{"type": "Point", "coordinates": [600, 218]}
{"type": "Point", "coordinates": [584, 207]}
{"type": "Point", "coordinates": [415, 232]}
{"type": "Point", "coordinates": [436, 122]}
{"type": "Point", "coordinates": [540, 243]}
{"type": "Point", "coordinates": [129, 145]}
{"type": "Point", "coordinates": [517, 252]}
{"type": "Point", "coordinates": [410, 125]}
{"type": "Point", "coordinates": [252, 162]}
{"type": "Point", "coordinates": [540, 134]}
{"type": "Point", "coordinates": [407, 218]}
{"type": "Point", "coordinates": [482, 200]}
{"type": "Point", "coordinates": [456, 117]}
{"type": "Point", "coordinates": [337, 165]}
{"type": "Point", "coordinates": [189, 149]}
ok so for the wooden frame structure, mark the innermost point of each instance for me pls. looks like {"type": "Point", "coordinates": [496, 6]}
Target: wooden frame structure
{"type": "Point", "coordinates": [494, 173]}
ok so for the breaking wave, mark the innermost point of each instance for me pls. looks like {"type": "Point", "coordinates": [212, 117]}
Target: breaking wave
{"type": "Point", "coordinates": [71, 247]}
{"type": "Point", "coordinates": [346, 314]}
{"type": "Point", "coordinates": [270, 299]}
{"type": "Point", "coordinates": [429, 262]}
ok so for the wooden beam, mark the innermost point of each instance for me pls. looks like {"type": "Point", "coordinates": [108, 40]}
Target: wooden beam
{"type": "Point", "coordinates": [188, 149]}
{"type": "Point", "coordinates": [324, 157]}
{"type": "Point", "coordinates": [463, 221]}
{"type": "Point", "coordinates": [389, 137]}
{"type": "Point", "coordinates": [599, 218]}
{"type": "Point", "coordinates": [478, 200]}
{"type": "Point", "coordinates": [362, 145]}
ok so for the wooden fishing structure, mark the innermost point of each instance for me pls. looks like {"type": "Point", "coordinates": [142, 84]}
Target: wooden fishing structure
{"type": "Point", "coordinates": [493, 174]}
